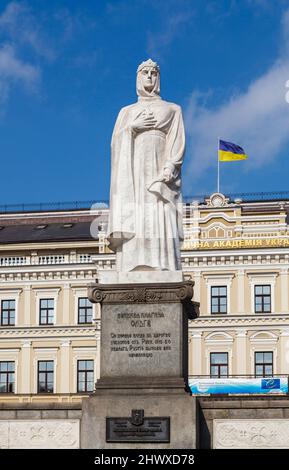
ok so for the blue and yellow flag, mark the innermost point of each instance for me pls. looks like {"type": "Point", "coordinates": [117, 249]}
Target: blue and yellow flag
{"type": "Point", "coordinates": [229, 152]}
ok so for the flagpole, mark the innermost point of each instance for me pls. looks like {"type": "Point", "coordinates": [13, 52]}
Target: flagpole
{"type": "Point", "coordinates": [218, 177]}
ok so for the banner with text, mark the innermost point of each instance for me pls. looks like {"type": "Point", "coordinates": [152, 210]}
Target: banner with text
{"type": "Point", "coordinates": [230, 385]}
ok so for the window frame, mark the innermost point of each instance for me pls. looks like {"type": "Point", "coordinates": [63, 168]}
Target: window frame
{"type": "Point", "coordinates": [86, 372]}
{"type": "Point", "coordinates": [46, 372]}
{"type": "Point", "coordinates": [264, 364]}
{"type": "Point", "coordinates": [47, 309]}
{"type": "Point", "coordinates": [219, 365]}
{"type": "Point", "coordinates": [218, 280]}
{"type": "Point", "coordinates": [262, 296]}
{"type": "Point", "coordinates": [8, 310]}
{"type": "Point", "coordinates": [7, 374]}
{"type": "Point", "coordinates": [218, 297]}
{"type": "Point", "coordinates": [85, 309]}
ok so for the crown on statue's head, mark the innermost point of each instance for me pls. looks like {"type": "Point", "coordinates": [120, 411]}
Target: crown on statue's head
{"type": "Point", "coordinates": [148, 63]}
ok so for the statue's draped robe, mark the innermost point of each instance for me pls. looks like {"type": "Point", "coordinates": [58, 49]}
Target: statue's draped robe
{"type": "Point", "coordinates": [145, 222]}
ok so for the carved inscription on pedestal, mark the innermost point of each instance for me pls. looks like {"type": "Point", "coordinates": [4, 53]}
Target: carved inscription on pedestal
{"type": "Point", "coordinates": [141, 340]}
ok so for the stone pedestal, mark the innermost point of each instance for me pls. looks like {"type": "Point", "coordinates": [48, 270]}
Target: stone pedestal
{"type": "Point", "coordinates": [159, 404]}
{"type": "Point", "coordinates": [142, 398]}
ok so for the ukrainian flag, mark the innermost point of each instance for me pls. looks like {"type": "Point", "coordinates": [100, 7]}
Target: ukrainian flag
{"type": "Point", "coordinates": [229, 152]}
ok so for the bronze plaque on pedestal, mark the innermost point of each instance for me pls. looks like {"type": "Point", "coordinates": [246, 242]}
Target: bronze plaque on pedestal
{"type": "Point", "coordinates": [137, 428]}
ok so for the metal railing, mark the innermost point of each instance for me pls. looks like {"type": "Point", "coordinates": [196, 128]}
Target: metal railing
{"type": "Point", "coordinates": [245, 197]}
{"type": "Point", "coordinates": [104, 204]}
{"type": "Point", "coordinates": [52, 206]}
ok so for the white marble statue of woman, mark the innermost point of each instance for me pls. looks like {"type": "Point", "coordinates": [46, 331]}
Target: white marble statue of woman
{"type": "Point", "coordinates": [148, 142]}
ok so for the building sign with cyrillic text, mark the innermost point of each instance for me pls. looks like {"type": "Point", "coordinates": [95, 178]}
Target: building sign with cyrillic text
{"type": "Point", "coordinates": [237, 243]}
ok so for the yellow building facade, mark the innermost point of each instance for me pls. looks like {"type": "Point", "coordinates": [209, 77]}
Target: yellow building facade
{"type": "Point", "coordinates": [236, 252]}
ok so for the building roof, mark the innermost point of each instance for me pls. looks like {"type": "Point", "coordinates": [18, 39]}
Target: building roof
{"type": "Point", "coordinates": [41, 232]}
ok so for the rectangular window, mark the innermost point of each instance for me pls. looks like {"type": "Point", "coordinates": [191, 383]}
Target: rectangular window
{"type": "Point", "coordinates": [84, 310]}
{"type": "Point", "coordinates": [7, 312]}
{"type": "Point", "coordinates": [7, 377]}
{"type": "Point", "coordinates": [219, 364]}
{"type": "Point", "coordinates": [85, 376]}
{"type": "Point", "coordinates": [218, 299]}
{"type": "Point", "coordinates": [263, 299]}
{"type": "Point", "coordinates": [45, 376]}
{"type": "Point", "coordinates": [46, 311]}
{"type": "Point", "coordinates": [264, 364]}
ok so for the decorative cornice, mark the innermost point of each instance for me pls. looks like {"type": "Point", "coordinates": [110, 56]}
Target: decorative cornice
{"type": "Point", "coordinates": [47, 333]}
{"type": "Point", "coordinates": [54, 274]}
{"type": "Point", "coordinates": [265, 273]}
{"type": "Point", "coordinates": [43, 290]}
{"type": "Point", "coordinates": [141, 293]}
{"type": "Point", "coordinates": [7, 291]}
{"type": "Point", "coordinates": [244, 321]}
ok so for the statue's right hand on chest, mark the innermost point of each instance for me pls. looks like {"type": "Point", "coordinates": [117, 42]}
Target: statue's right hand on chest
{"type": "Point", "coordinates": [144, 121]}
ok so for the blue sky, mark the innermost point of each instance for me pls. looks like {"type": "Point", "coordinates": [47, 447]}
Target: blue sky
{"type": "Point", "coordinates": [68, 66]}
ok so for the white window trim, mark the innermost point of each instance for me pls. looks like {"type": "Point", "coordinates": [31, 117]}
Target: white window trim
{"type": "Point", "coordinates": [221, 280]}
{"type": "Point", "coordinates": [46, 293]}
{"type": "Point", "coordinates": [11, 294]}
{"type": "Point", "coordinates": [260, 279]}
{"type": "Point", "coordinates": [218, 349]}
{"type": "Point", "coordinates": [79, 293]}
{"type": "Point", "coordinates": [270, 339]}
{"type": "Point", "coordinates": [226, 339]}
{"type": "Point", "coordinates": [45, 354]}
{"type": "Point", "coordinates": [81, 354]}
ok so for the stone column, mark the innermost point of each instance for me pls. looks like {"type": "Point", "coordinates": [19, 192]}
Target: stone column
{"type": "Point", "coordinates": [241, 291]}
{"type": "Point", "coordinates": [240, 353]}
{"type": "Point", "coordinates": [284, 290]}
{"type": "Point", "coordinates": [97, 312]}
{"type": "Point", "coordinates": [195, 353]}
{"type": "Point", "coordinates": [283, 353]}
{"type": "Point", "coordinates": [27, 306]}
{"type": "Point", "coordinates": [25, 368]}
{"type": "Point", "coordinates": [66, 304]}
{"type": "Point", "coordinates": [65, 366]}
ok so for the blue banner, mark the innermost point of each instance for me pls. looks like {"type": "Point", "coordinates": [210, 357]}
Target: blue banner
{"type": "Point", "coordinates": [238, 386]}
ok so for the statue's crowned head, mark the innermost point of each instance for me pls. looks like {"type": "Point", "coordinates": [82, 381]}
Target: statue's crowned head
{"type": "Point", "coordinates": [148, 79]}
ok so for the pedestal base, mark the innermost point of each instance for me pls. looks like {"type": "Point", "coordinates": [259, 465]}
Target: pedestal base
{"type": "Point", "coordinates": [173, 411]}
{"type": "Point", "coordinates": [141, 400]}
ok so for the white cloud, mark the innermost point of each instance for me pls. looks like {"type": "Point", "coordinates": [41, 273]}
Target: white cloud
{"type": "Point", "coordinates": [13, 70]}
{"type": "Point", "coordinates": [257, 119]}
{"type": "Point", "coordinates": [22, 27]}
